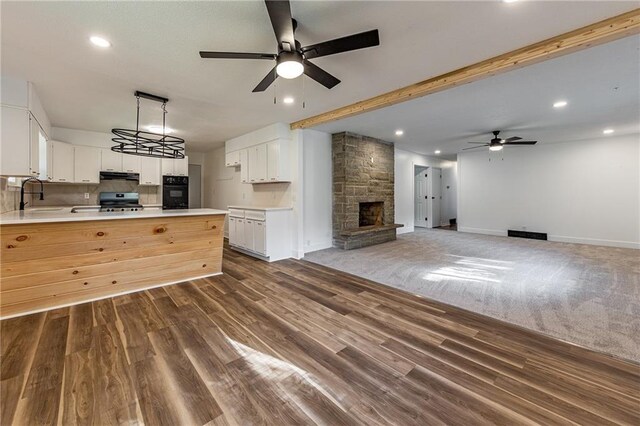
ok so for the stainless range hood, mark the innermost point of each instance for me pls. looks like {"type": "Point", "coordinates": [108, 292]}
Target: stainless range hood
{"type": "Point", "coordinates": [120, 176]}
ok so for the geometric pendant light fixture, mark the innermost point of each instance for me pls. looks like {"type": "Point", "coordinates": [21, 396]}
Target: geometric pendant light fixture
{"type": "Point", "coordinates": [148, 144]}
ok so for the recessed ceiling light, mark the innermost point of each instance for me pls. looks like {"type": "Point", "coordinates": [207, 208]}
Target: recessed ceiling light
{"type": "Point", "coordinates": [288, 100]}
{"type": "Point", "coordinates": [509, 1]}
{"type": "Point", "coordinates": [158, 129]}
{"type": "Point", "coordinates": [399, 132]}
{"type": "Point", "coordinates": [99, 41]}
{"type": "Point", "coordinates": [608, 131]}
{"type": "Point", "coordinates": [560, 104]}
{"type": "Point", "coordinates": [437, 151]}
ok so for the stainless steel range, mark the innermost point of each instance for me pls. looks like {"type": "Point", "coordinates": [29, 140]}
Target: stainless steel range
{"type": "Point", "coordinates": [119, 202]}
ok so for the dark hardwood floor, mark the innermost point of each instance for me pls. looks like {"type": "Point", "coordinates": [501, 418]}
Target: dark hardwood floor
{"type": "Point", "coordinates": [297, 343]}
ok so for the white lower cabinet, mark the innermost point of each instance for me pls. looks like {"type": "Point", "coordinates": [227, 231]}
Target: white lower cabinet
{"type": "Point", "coordinates": [262, 232]}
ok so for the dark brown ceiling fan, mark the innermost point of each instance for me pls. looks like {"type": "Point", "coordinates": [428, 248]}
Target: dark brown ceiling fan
{"type": "Point", "coordinates": [292, 59]}
{"type": "Point", "coordinates": [496, 144]}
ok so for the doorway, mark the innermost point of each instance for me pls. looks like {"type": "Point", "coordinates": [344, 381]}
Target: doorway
{"type": "Point", "coordinates": [195, 187]}
{"type": "Point", "coordinates": [427, 196]}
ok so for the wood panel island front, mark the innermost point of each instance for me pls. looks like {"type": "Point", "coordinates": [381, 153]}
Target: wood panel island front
{"type": "Point", "coordinates": [54, 258]}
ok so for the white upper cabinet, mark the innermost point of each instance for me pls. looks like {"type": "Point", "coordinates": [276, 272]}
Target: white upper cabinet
{"type": "Point", "coordinates": [15, 142]}
{"type": "Point", "coordinates": [244, 165]}
{"type": "Point", "coordinates": [110, 161]}
{"type": "Point", "coordinates": [150, 171]}
{"type": "Point", "coordinates": [177, 167]}
{"type": "Point", "coordinates": [61, 162]}
{"type": "Point", "coordinates": [86, 164]}
{"type": "Point", "coordinates": [232, 159]}
{"type": "Point", "coordinates": [278, 161]}
{"type": "Point", "coordinates": [131, 163]}
{"type": "Point", "coordinates": [25, 127]}
{"type": "Point", "coordinates": [258, 164]}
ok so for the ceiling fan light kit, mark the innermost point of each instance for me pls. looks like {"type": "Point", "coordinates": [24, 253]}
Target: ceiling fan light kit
{"type": "Point", "coordinates": [497, 143]}
{"type": "Point", "coordinates": [292, 60]}
{"type": "Point", "coordinates": [148, 144]}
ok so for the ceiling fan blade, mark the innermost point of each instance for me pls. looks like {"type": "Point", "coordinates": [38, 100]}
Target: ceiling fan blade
{"type": "Point", "coordinates": [282, 22]}
{"type": "Point", "coordinates": [474, 147]}
{"type": "Point", "coordinates": [521, 143]}
{"type": "Point", "coordinates": [484, 143]}
{"type": "Point", "coordinates": [266, 81]}
{"type": "Point", "coordinates": [343, 44]}
{"type": "Point", "coordinates": [513, 138]}
{"type": "Point", "coordinates": [319, 75]}
{"type": "Point", "coordinates": [236, 55]}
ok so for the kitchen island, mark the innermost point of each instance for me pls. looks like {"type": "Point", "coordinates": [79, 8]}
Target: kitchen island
{"type": "Point", "coordinates": [52, 257]}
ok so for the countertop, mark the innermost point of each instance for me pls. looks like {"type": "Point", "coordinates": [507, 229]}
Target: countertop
{"type": "Point", "coordinates": [63, 214]}
{"type": "Point", "coordinates": [259, 208]}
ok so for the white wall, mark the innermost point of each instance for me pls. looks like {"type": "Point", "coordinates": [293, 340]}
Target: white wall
{"type": "Point", "coordinates": [317, 190]}
{"type": "Point", "coordinates": [584, 192]}
{"type": "Point", "coordinates": [404, 186]}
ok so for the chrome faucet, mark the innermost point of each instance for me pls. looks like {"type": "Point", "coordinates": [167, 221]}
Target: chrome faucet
{"type": "Point", "coordinates": [22, 203]}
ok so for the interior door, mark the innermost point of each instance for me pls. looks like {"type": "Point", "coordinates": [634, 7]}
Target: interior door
{"type": "Point", "coordinates": [421, 198]}
{"type": "Point", "coordinates": [435, 197]}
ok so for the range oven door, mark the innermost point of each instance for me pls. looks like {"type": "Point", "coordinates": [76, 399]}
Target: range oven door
{"type": "Point", "coordinates": [175, 192]}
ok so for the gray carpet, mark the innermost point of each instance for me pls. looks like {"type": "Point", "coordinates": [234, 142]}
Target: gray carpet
{"type": "Point", "coordinates": [584, 294]}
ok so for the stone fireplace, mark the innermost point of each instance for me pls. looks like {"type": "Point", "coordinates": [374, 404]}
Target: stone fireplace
{"type": "Point", "coordinates": [363, 191]}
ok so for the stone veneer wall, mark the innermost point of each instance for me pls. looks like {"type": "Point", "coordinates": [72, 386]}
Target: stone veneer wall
{"type": "Point", "coordinates": [363, 171]}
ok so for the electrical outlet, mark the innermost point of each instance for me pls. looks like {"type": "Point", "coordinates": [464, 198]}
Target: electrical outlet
{"type": "Point", "coordinates": [86, 195]}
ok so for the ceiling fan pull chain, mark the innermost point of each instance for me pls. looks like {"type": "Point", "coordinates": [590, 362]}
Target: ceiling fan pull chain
{"type": "Point", "coordinates": [137, 117]}
{"type": "Point", "coordinates": [303, 94]}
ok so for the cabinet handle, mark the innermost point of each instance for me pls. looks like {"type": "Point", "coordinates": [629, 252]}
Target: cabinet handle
{"type": "Point", "coordinates": [273, 178]}
{"type": "Point", "coordinates": [62, 180]}
{"type": "Point", "coordinates": [261, 179]}
{"type": "Point", "coordinates": [86, 180]}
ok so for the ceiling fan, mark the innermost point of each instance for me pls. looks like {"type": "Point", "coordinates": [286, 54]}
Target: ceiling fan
{"type": "Point", "coordinates": [292, 59]}
{"type": "Point", "coordinates": [496, 144]}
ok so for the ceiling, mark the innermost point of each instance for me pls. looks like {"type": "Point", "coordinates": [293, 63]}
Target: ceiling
{"type": "Point", "coordinates": [600, 84]}
{"type": "Point", "coordinates": [155, 49]}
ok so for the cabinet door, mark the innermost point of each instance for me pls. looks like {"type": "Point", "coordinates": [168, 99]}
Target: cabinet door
{"type": "Point", "coordinates": [14, 139]}
{"type": "Point", "coordinates": [259, 237]}
{"type": "Point", "coordinates": [244, 166]}
{"type": "Point", "coordinates": [131, 163]}
{"type": "Point", "coordinates": [62, 162]}
{"type": "Point", "coordinates": [167, 167]}
{"type": "Point", "coordinates": [181, 167]}
{"type": "Point", "coordinates": [273, 161]}
{"type": "Point", "coordinates": [34, 146]}
{"type": "Point", "coordinates": [240, 225]}
{"type": "Point", "coordinates": [110, 161]}
{"type": "Point", "coordinates": [87, 164]}
{"type": "Point", "coordinates": [232, 159]}
{"type": "Point", "coordinates": [248, 234]}
{"type": "Point", "coordinates": [149, 171]}
{"type": "Point", "coordinates": [233, 236]}
{"type": "Point", "coordinates": [261, 159]}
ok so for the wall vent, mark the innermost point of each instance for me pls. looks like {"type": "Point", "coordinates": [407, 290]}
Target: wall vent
{"type": "Point", "coordinates": [527, 234]}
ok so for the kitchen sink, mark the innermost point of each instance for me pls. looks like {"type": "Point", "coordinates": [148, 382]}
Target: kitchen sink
{"type": "Point", "coordinates": [47, 210]}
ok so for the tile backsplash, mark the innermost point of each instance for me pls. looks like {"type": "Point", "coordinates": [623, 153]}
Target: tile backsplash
{"type": "Point", "coordinates": [57, 194]}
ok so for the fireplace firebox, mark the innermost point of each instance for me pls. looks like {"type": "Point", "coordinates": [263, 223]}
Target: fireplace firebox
{"type": "Point", "coordinates": [371, 214]}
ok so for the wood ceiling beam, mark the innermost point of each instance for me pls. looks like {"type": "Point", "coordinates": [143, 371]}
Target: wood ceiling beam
{"type": "Point", "coordinates": [595, 34]}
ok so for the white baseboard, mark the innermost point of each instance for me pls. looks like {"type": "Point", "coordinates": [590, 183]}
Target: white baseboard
{"type": "Point", "coordinates": [482, 231]}
{"type": "Point", "coordinates": [594, 241]}
{"type": "Point", "coordinates": [559, 238]}
{"type": "Point", "coordinates": [122, 293]}
{"type": "Point", "coordinates": [318, 246]}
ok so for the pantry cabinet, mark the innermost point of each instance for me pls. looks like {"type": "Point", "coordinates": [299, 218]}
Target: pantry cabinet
{"type": "Point", "coordinates": [86, 164]}
{"type": "Point", "coordinates": [261, 232]}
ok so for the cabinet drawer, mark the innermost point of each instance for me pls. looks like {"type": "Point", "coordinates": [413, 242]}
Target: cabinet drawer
{"type": "Point", "coordinates": [236, 213]}
{"type": "Point", "coordinates": [255, 214]}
